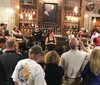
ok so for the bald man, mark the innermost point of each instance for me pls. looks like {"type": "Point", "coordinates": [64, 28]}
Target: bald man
{"type": "Point", "coordinates": [72, 62]}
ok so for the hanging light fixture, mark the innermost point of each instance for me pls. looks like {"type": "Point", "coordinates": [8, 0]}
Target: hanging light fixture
{"type": "Point", "coordinates": [86, 15]}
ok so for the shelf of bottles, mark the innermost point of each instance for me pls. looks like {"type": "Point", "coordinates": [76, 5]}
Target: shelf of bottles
{"type": "Point", "coordinates": [26, 30]}
{"type": "Point", "coordinates": [71, 19]}
{"type": "Point", "coordinates": [28, 15]}
{"type": "Point", "coordinates": [45, 28]}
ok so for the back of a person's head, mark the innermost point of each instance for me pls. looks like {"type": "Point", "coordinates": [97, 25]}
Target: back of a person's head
{"type": "Point", "coordinates": [96, 41]}
{"type": "Point", "coordinates": [10, 43]}
{"type": "Point", "coordinates": [15, 27]}
{"type": "Point", "coordinates": [95, 61]}
{"type": "Point", "coordinates": [49, 32]}
{"type": "Point", "coordinates": [73, 43]}
{"type": "Point", "coordinates": [2, 24]}
{"type": "Point", "coordinates": [22, 46]}
{"type": "Point", "coordinates": [94, 30]}
{"type": "Point", "coordinates": [36, 49]}
{"type": "Point", "coordinates": [85, 42]}
{"type": "Point", "coordinates": [52, 57]}
{"type": "Point", "coordinates": [2, 40]}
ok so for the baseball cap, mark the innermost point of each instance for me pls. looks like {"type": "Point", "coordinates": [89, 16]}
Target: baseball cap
{"type": "Point", "coordinates": [36, 49]}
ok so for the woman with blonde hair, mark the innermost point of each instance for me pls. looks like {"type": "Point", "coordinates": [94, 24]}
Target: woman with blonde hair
{"type": "Point", "coordinates": [91, 73]}
{"type": "Point", "coordinates": [53, 72]}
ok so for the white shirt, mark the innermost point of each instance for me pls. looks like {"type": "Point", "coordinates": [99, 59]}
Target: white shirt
{"type": "Point", "coordinates": [72, 62]}
{"type": "Point", "coordinates": [28, 72]}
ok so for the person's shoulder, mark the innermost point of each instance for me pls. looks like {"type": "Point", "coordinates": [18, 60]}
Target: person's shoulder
{"type": "Point", "coordinates": [38, 68]}
{"type": "Point", "coordinates": [61, 68]}
{"type": "Point", "coordinates": [65, 54]}
{"type": "Point", "coordinates": [21, 61]}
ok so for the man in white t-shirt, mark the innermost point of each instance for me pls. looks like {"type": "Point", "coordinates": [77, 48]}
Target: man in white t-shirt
{"type": "Point", "coordinates": [28, 71]}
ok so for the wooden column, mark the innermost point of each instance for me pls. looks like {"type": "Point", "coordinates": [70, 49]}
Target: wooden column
{"type": "Point", "coordinates": [17, 15]}
{"type": "Point", "coordinates": [83, 9]}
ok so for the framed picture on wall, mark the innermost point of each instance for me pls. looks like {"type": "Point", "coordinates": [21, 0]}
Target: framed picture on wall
{"type": "Point", "coordinates": [50, 11]}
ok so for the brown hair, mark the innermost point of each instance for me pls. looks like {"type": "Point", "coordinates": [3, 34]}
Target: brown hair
{"type": "Point", "coordinates": [49, 32]}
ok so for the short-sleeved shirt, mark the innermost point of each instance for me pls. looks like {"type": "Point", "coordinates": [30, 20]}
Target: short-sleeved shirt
{"type": "Point", "coordinates": [28, 72]}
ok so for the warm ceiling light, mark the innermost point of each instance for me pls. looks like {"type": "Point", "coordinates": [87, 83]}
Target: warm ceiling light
{"type": "Point", "coordinates": [18, 7]}
{"type": "Point", "coordinates": [86, 15]}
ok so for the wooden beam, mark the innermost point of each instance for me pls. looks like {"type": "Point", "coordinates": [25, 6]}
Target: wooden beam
{"type": "Point", "coordinates": [83, 9]}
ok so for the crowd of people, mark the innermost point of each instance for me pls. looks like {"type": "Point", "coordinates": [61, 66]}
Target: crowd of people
{"type": "Point", "coordinates": [22, 66]}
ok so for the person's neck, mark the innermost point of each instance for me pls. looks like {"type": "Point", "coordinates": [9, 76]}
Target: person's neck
{"type": "Point", "coordinates": [10, 49]}
{"type": "Point", "coordinates": [50, 36]}
{"type": "Point", "coordinates": [75, 48]}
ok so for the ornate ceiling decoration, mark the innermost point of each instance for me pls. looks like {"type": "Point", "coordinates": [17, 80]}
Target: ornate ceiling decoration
{"type": "Point", "coordinates": [96, 5]}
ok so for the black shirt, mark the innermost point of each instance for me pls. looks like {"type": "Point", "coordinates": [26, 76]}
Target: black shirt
{"type": "Point", "coordinates": [9, 60]}
{"type": "Point", "coordinates": [37, 36]}
{"type": "Point", "coordinates": [3, 78]}
{"type": "Point", "coordinates": [51, 47]}
{"type": "Point", "coordinates": [53, 74]}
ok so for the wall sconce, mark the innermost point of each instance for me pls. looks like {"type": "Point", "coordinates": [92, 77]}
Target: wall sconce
{"type": "Point", "coordinates": [86, 15]}
{"type": "Point", "coordinates": [18, 7]}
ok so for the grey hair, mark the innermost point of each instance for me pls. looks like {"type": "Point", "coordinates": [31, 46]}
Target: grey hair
{"type": "Point", "coordinates": [10, 43]}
